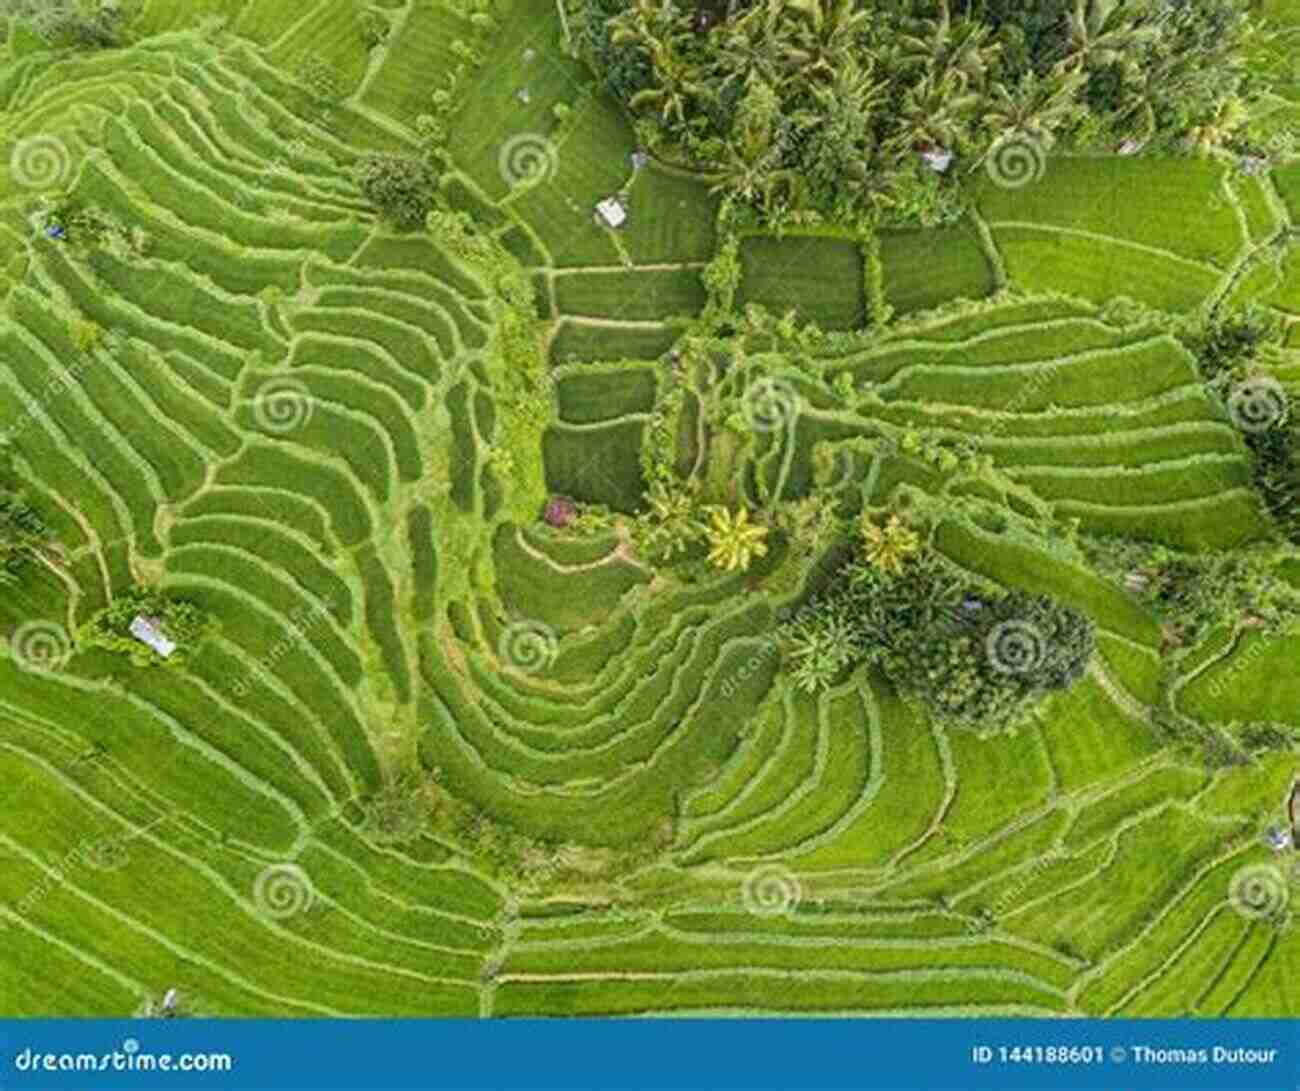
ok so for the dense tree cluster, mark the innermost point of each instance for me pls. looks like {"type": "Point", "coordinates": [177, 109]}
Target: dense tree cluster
{"type": "Point", "coordinates": [184, 623]}
{"type": "Point", "coordinates": [973, 657]}
{"type": "Point", "coordinates": [829, 105]}
{"type": "Point", "coordinates": [1231, 352]}
{"type": "Point", "coordinates": [402, 187]}
{"type": "Point", "coordinates": [22, 531]}
{"type": "Point", "coordinates": [78, 24]}
{"type": "Point", "coordinates": [1195, 593]}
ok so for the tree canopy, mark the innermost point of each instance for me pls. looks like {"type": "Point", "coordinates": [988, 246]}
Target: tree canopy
{"type": "Point", "coordinates": [829, 105]}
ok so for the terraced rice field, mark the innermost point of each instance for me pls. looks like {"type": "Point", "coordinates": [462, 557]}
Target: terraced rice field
{"type": "Point", "coordinates": [295, 418]}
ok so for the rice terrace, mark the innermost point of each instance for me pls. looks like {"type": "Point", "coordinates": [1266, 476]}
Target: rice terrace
{"type": "Point", "coordinates": [645, 507]}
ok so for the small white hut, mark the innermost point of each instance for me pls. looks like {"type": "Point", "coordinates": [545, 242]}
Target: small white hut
{"type": "Point", "coordinates": [937, 159]}
{"type": "Point", "coordinates": [148, 630]}
{"type": "Point", "coordinates": [611, 212]}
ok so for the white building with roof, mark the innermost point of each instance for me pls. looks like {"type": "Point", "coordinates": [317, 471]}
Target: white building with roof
{"type": "Point", "coordinates": [611, 212]}
{"type": "Point", "coordinates": [148, 630]}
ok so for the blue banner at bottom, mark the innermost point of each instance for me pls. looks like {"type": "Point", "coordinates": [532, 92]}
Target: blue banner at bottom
{"type": "Point", "coordinates": [651, 1055]}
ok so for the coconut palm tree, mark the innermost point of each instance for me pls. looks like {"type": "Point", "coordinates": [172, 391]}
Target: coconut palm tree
{"type": "Point", "coordinates": [934, 112]}
{"type": "Point", "coordinates": [755, 176]}
{"type": "Point", "coordinates": [755, 46]}
{"type": "Point", "coordinates": [888, 547]}
{"type": "Point", "coordinates": [823, 39]}
{"type": "Point", "coordinates": [673, 523]}
{"type": "Point", "coordinates": [960, 49]}
{"type": "Point", "coordinates": [1104, 32]}
{"type": "Point", "coordinates": [1035, 106]}
{"type": "Point", "coordinates": [1230, 114]}
{"type": "Point", "coordinates": [734, 542]}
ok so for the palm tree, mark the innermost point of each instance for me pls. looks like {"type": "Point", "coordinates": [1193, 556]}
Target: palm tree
{"type": "Point", "coordinates": [735, 542]}
{"type": "Point", "coordinates": [755, 176]}
{"type": "Point", "coordinates": [934, 112]}
{"type": "Point", "coordinates": [890, 546]}
{"type": "Point", "coordinates": [754, 46]}
{"type": "Point", "coordinates": [1034, 107]}
{"type": "Point", "coordinates": [673, 519]}
{"type": "Point", "coordinates": [1230, 114]}
{"type": "Point", "coordinates": [823, 41]}
{"type": "Point", "coordinates": [1104, 32]}
{"type": "Point", "coordinates": [660, 30]}
{"type": "Point", "coordinates": [945, 49]}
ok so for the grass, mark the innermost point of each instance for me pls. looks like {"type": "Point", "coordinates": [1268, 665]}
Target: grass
{"type": "Point", "coordinates": [576, 341]}
{"type": "Point", "coordinates": [660, 751]}
{"type": "Point", "coordinates": [926, 268]}
{"type": "Point", "coordinates": [820, 278]}
{"type": "Point", "coordinates": [1099, 269]}
{"type": "Point", "coordinates": [631, 296]}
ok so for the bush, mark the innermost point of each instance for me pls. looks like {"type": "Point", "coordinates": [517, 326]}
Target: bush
{"type": "Point", "coordinates": [374, 29]}
{"type": "Point", "coordinates": [400, 811]}
{"type": "Point", "coordinates": [182, 622]}
{"type": "Point", "coordinates": [22, 531]}
{"type": "Point", "coordinates": [322, 80]}
{"type": "Point", "coordinates": [401, 187]}
{"type": "Point", "coordinates": [82, 24]}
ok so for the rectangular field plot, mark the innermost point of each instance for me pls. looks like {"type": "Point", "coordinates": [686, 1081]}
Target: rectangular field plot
{"type": "Point", "coordinates": [926, 268]}
{"type": "Point", "coordinates": [600, 465]}
{"type": "Point", "coordinates": [576, 341]}
{"type": "Point", "coordinates": [1100, 269]}
{"type": "Point", "coordinates": [596, 396]}
{"type": "Point", "coordinates": [639, 295]}
{"type": "Point", "coordinates": [332, 34]}
{"type": "Point", "coordinates": [821, 278]}
{"type": "Point", "coordinates": [670, 218]}
{"type": "Point", "coordinates": [1139, 200]}
{"type": "Point", "coordinates": [418, 59]}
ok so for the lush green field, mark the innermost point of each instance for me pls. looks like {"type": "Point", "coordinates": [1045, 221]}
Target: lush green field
{"type": "Point", "coordinates": [338, 439]}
